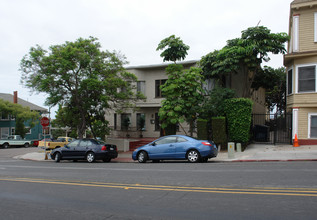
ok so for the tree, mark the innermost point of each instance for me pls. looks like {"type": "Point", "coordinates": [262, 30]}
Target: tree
{"type": "Point", "coordinates": [183, 95]}
{"type": "Point", "coordinates": [175, 49]}
{"type": "Point", "coordinates": [213, 103]}
{"type": "Point", "coordinates": [244, 55]}
{"type": "Point", "coordinates": [274, 82]}
{"type": "Point", "coordinates": [21, 114]}
{"type": "Point", "coordinates": [81, 77]}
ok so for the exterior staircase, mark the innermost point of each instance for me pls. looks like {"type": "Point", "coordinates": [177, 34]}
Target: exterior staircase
{"type": "Point", "coordinates": [140, 142]}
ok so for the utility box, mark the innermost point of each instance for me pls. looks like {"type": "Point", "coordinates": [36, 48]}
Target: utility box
{"type": "Point", "coordinates": [231, 150]}
{"type": "Point", "coordinates": [239, 147]}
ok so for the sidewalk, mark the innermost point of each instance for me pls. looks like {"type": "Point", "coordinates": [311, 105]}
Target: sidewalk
{"type": "Point", "coordinates": [253, 153]}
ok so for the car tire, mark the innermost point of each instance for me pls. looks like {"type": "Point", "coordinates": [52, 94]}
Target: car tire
{"type": "Point", "coordinates": [57, 157]}
{"type": "Point", "coordinates": [90, 157]}
{"type": "Point", "coordinates": [193, 156]}
{"type": "Point", "coordinates": [142, 157]}
{"type": "Point", "coordinates": [26, 145]}
{"type": "Point", "coordinates": [106, 160]}
{"type": "Point", "coordinates": [5, 145]}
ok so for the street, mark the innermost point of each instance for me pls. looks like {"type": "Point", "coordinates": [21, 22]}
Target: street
{"type": "Point", "coordinates": [168, 190]}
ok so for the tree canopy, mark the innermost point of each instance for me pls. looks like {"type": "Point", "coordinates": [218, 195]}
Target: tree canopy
{"type": "Point", "coordinates": [173, 49]}
{"type": "Point", "coordinates": [81, 77]}
{"type": "Point", "coordinates": [183, 95]}
{"type": "Point", "coordinates": [244, 55]}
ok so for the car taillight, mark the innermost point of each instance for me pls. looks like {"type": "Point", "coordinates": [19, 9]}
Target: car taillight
{"type": "Point", "coordinates": [104, 148]}
{"type": "Point", "coordinates": [49, 144]}
{"type": "Point", "coordinates": [206, 143]}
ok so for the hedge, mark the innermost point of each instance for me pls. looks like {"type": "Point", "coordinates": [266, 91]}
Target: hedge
{"type": "Point", "coordinates": [202, 129]}
{"type": "Point", "coordinates": [238, 113]}
{"type": "Point", "coordinates": [219, 131]}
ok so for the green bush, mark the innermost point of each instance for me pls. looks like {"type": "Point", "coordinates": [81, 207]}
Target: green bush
{"type": "Point", "coordinates": [238, 112]}
{"type": "Point", "coordinates": [219, 133]}
{"type": "Point", "coordinates": [202, 129]}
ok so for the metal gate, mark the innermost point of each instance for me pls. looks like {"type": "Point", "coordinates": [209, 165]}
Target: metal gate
{"type": "Point", "coordinates": [272, 128]}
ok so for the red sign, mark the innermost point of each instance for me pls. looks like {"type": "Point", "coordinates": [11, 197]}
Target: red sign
{"type": "Point", "coordinates": [45, 121]}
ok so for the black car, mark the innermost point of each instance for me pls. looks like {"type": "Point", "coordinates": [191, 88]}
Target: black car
{"type": "Point", "coordinates": [85, 149]}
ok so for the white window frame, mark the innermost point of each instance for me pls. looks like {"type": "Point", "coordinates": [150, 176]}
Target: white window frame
{"type": "Point", "coordinates": [295, 33]}
{"type": "Point", "coordinates": [5, 132]}
{"type": "Point", "coordinates": [295, 122]}
{"type": "Point", "coordinates": [315, 27]}
{"type": "Point", "coordinates": [309, 124]}
{"type": "Point", "coordinates": [296, 77]}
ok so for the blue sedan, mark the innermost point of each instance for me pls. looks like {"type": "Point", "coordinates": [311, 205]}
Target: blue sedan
{"type": "Point", "coordinates": [176, 147]}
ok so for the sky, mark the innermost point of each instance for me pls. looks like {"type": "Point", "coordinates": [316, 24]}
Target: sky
{"type": "Point", "coordinates": [132, 27]}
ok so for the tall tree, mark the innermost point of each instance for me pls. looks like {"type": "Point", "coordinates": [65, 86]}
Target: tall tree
{"type": "Point", "coordinates": [183, 95]}
{"type": "Point", "coordinates": [80, 76]}
{"type": "Point", "coordinates": [244, 55]}
{"type": "Point", "coordinates": [274, 82]}
{"type": "Point", "coordinates": [173, 49]}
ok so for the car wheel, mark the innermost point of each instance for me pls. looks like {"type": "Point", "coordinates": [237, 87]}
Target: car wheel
{"type": "Point", "coordinates": [108, 159]}
{"type": "Point", "coordinates": [5, 145]}
{"type": "Point", "coordinates": [26, 145]}
{"type": "Point", "coordinates": [142, 157]}
{"type": "Point", "coordinates": [193, 156]}
{"type": "Point", "coordinates": [90, 157]}
{"type": "Point", "coordinates": [57, 157]}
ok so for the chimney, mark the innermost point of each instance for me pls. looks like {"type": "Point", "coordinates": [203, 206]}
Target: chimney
{"type": "Point", "coordinates": [15, 97]}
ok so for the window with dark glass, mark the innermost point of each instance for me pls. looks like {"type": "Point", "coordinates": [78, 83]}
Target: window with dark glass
{"type": "Point", "coordinates": [140, 120]}
{"type": "Point", "coordinates": [307, 79]}
{"type": "Point", "coordinates": [290, 82]}
{"type": "Point", "coordinates": [158, 83]}
{"type": "Point", "coordinates": [157, 122]}
{"type": "Point", "coordinates": [313, 126]}
{"type": "Point", "coordinates": [125, 121]}
{"type": "Point", "coordinates": [115, 121]}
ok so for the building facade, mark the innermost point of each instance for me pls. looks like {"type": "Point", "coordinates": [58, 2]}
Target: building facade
{"type": "Point", "coordinates": [150, 78]}
{"type": "Point", "coordinates": [301, 64]}
{"type": "Point", "coordinates": [7, 122]}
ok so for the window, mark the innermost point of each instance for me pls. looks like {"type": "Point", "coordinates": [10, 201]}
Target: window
{"type": "Point", "coordinates": [4, 133]}
{"type": "Point", "coordinates": [12, 131]}
{"type": "Point", "coordinates": [290, 82]}
{"type": "Point", "coordinates": [158, 83]}
{"type": "Point", "coordinates": [140, 120]}
{"type": "Point", "coordinates": [295, 33]}
{"type": "Point", "coordinates": [167, 140]}
{"type": "Point", "coordinates": [157, 122]}
{"type": "Point", "coordinates": [115, 121]}
{"type": "Point", "coordinates": [5, 117]}
{"type": "Point", "coordinates": [125, 121]}
{"type": "Point", "coordinates": [141, 87]}
{"type": "Point", "coordinates": [307, 79]}
{"type": "Point", "coordinates": [312, 125]}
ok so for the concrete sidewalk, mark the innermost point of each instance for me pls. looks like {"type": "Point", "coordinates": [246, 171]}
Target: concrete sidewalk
{"type": "Point", "coordinates": [253, 153]}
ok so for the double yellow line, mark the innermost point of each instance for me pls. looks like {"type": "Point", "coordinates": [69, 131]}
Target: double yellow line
{"type": "Point", "coordinates": [311, 192]}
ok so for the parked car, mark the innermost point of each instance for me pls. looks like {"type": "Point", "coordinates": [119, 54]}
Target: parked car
{"type": "Point", "coordinates": [176, 147]}
{"type": "Point", "coordinates": [85, 149]}
{"type": "Point", "coordinates": [52, 144]}
{"type": "Point", "coordinates": [15, 140]}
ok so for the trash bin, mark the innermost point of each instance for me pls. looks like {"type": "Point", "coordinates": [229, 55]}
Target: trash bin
{"type": "Point", "coordinates": [261, 133]}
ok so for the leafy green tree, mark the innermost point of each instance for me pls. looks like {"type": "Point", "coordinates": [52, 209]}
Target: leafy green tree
{"type": "Point", "coordinates": [244, 55]}
{"type": "Point", "coordinates": [21, 114]}
{"type": "Point", "coordinates": [175, 49]}
{"type": "Point", "coordinates": [82, 77]}
{"type": "Point", "coordinates": [183, 96]}
{"type": "Point", "coordinates": [213, 103]}
{"type": "Point", "coordinates": [274, 82]}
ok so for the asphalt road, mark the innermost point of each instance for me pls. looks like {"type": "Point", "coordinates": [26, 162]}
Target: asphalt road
{"type": "Point", "coordinates": [173, 190]}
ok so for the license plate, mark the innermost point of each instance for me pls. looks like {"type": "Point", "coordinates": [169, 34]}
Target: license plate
{"type": "Point", "coordinates": [111, 148]}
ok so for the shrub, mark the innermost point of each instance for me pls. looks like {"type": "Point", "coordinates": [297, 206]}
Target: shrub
{"type": "Point", "coordinates": [219, 134]}
{"type": "Point", "coordinates": [238, 112]}
{"type": "Point", "coordinates": [202, 129]}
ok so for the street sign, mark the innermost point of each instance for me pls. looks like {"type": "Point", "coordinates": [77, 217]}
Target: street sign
{"type": "Point", "coordinates": [45, 121]}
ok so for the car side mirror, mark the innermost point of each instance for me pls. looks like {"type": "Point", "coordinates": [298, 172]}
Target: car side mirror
{"type": "Point", "coordinates": [153, 144]}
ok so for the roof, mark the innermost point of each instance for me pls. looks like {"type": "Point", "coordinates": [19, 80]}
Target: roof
{"type": "Point", "coordinates": [162, 65]}
{"type": "Point", "coordinates": [303, 3]}
{"type": "Point", "coordinates": [9, 98]}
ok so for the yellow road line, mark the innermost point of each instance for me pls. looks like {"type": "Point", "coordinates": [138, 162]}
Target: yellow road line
{"type": "Point", "coordinates": [249, 191]}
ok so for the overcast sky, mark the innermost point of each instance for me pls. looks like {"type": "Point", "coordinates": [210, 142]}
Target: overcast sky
{"type": "Point", "coordinates": [133, 27]}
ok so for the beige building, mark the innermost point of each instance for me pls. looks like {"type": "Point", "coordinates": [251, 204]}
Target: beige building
{"type": "Point", "coordinates": [150, 78]}
{"type": "Point", "coordinates": [301, 64]}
